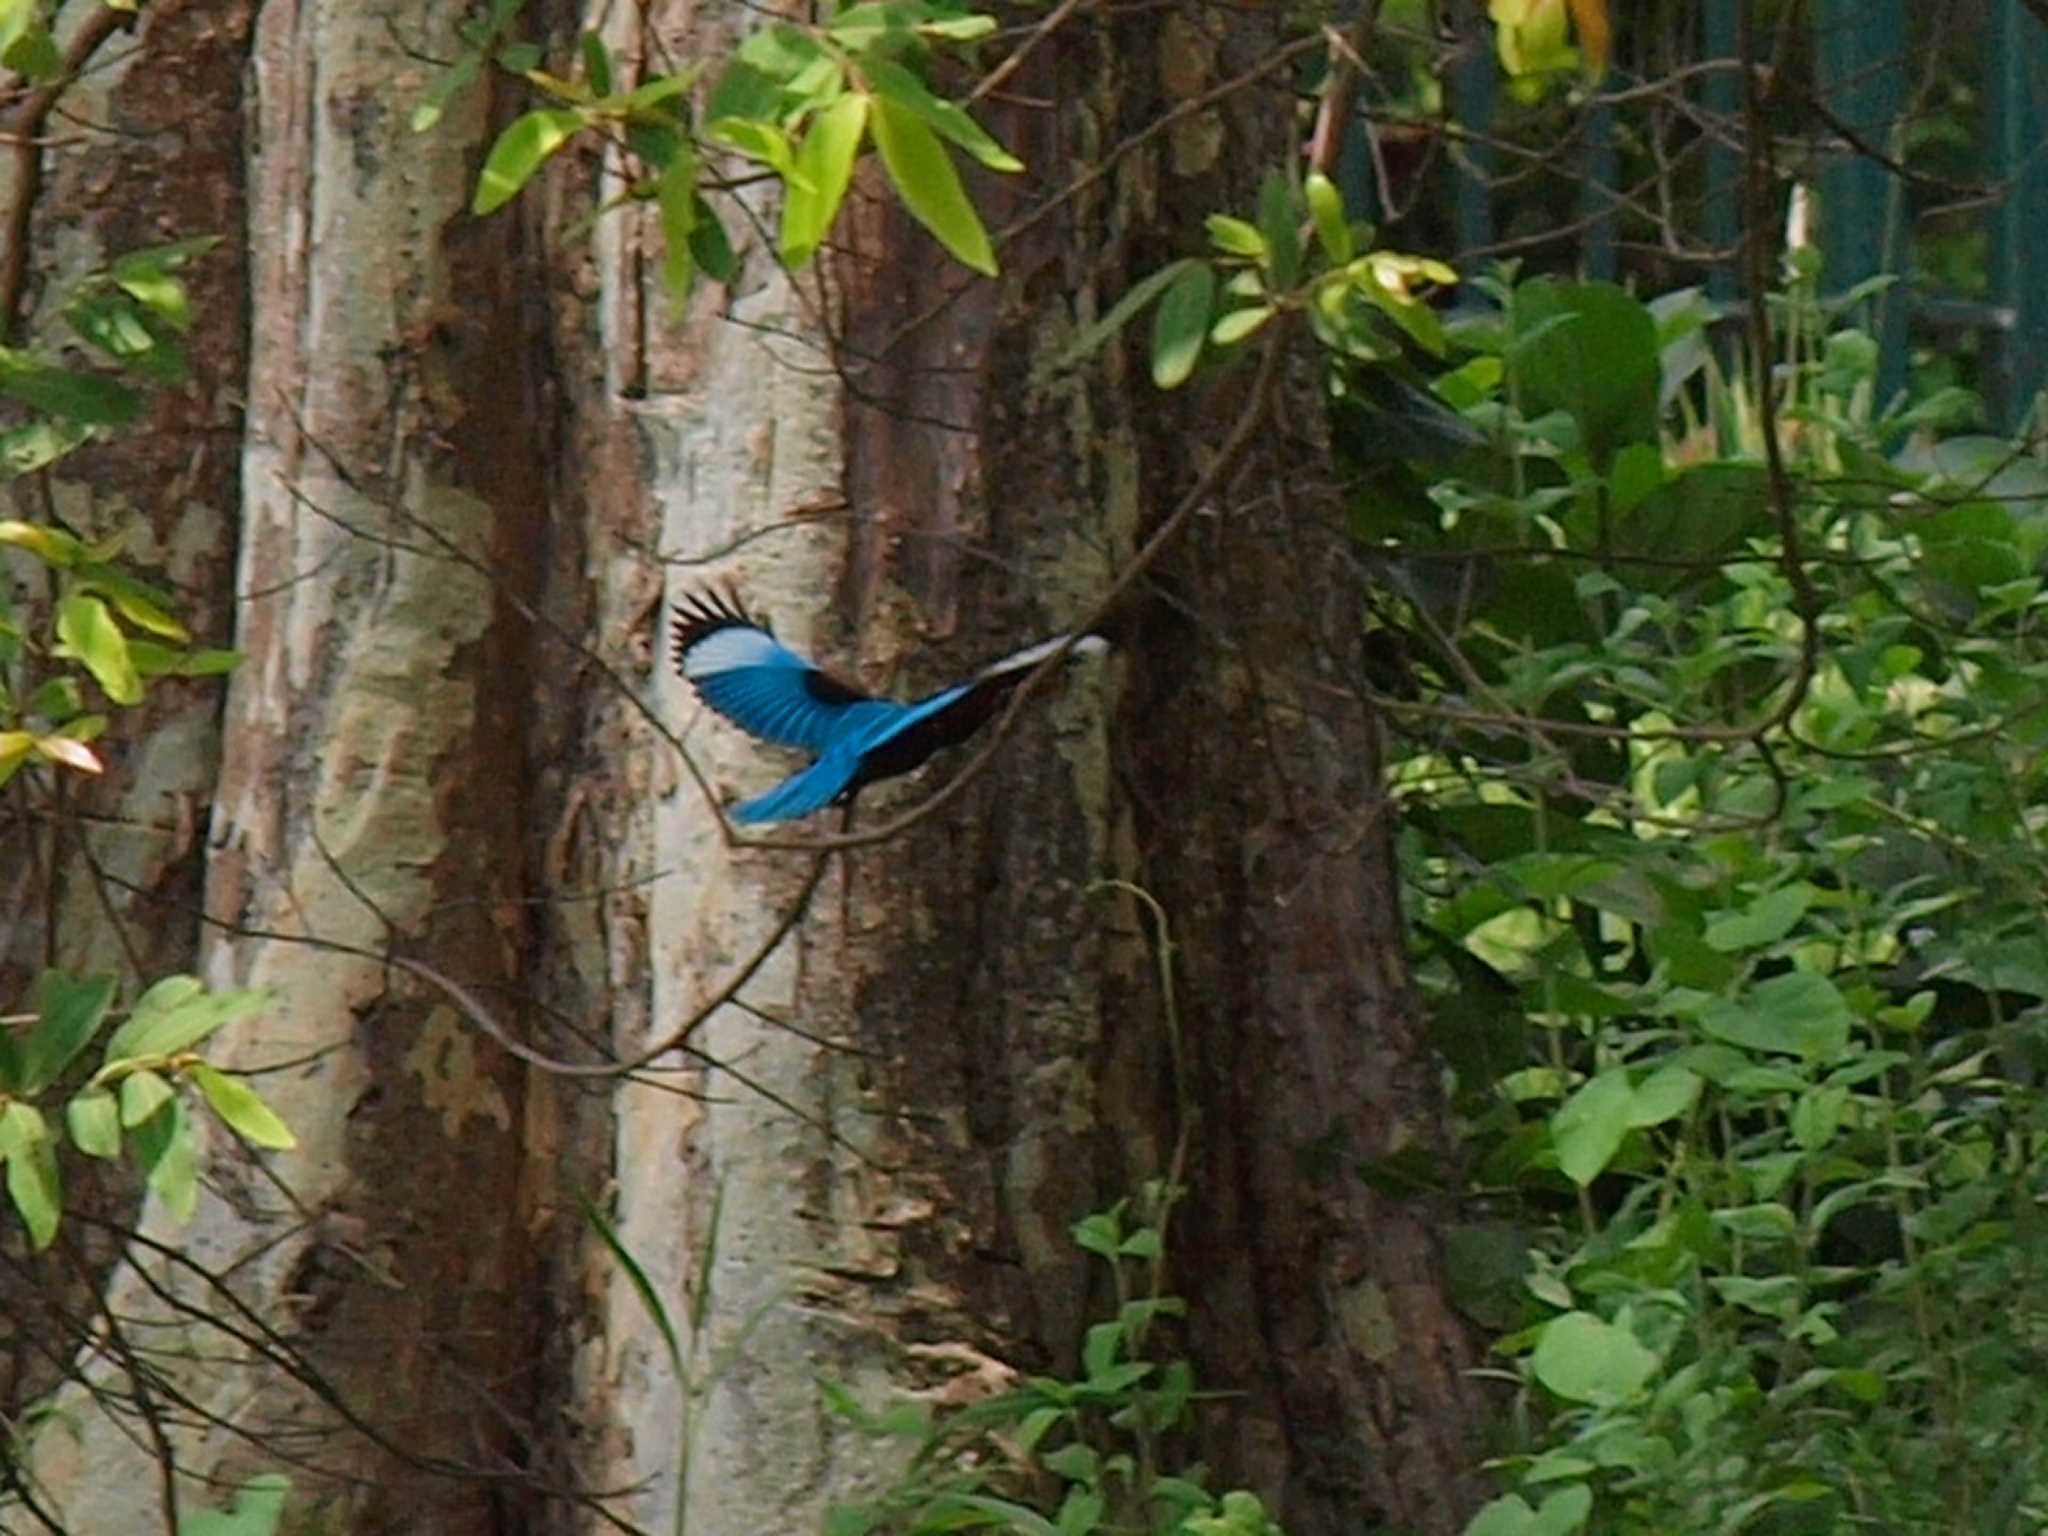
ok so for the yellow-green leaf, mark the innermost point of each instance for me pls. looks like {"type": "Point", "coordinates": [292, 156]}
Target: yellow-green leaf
{"type": "Point", "coordinates": [244, 1111]}
{"type": "Point", "coordinates": [521, 150]}
{"type": "Point", "coordinates": [52, 545]}
{"type": "Point", "coordinates": [1240, 323]}
{"type": "Point", "coordinates": [824, 163]}
{"type": "Point", "coordinates": [142, 1095]}
{"type": "Point", "coordinates": [1326, 207]}
{"type": "Point", "coordinates": [1234, 237]}
{"type": "Point", "coordinates": [925, 179]}
{"type": "Point", "coordinates": [949, 121]}
{"type": "Point", "coordinates": [89, 633]}
{"type": "Point", "coordinates": [95, 1121]}
{"type": "Point", "coordinates": [32, 1183]}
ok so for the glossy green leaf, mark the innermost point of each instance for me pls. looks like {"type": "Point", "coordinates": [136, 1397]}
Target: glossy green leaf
{"type": "Point", "coordinates": [70, 1010]}
{"type": "Point", "coordinates": [1665, 1094]}
{"type": "Point", "coordinates": [825, 164]}
{"type": "Point", "coordinates": [95, 1121]}
{"type": "Point", "coordinates": [925, 179]}
{"type": "Point", "coordinates": [140, 604]}
{"type": "Point", "coordinates": [1180, 325]}
{"type": "Point", "coordinates": [243, 1109]}
{"type": "Point", "coordinates": [1241, 324]}
{"type": "Point", "coordinates": [896, 84]}
{"type": "Point", "coordinates": [90, 634]}
{"type": "Point", "coordinates": [521, 150]}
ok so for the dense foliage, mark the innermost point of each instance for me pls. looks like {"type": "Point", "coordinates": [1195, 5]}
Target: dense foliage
{"type": "Point", "coordinates": [1723, 805]}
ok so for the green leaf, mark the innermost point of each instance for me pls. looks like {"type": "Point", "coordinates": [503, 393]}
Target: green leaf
{"type": "Point", "coordinates": [38, 444]}
{"type": "Point", "coordinates": [898, 85]}
{"type": "Point", "coordinates": [650, 1298]}
{"type": "Point", "coordinates": [1234, 237]}
{"type": "Point", "coordinates": [521, 149]}
{"type": "Point", "coordinates": [1090, 338]}
{"type": "Point", "coordinates": [32, 1184]}
{"type": "Point", "coordinates": [140, 604]}
{"type": "Point", "coordinates": [1800, 1012]}
{"type": "Point", "coordinates": [676, 201]}
{"type": "Point", "coordinates": [90, 634]}
{"type": "Point", "coordinates": [456, 77]}
{"type": "Point", "coordinates": [75, 396]}
{"type": "Point", "coordinates": [95, 1121]}
{"type": "Point", "coordinates": [824, 162]}
{"type": "Point", "coordinates": [51, 545]}
{"type": "Point", "coordinates": [1277, 223]}
{"type": "Point", "coordinates": [153, 660]}
{"type": "Point", "coordinates": [71, 1013]}
{"type": "Point", "coordinates": [1100, 1232]}
{"type": "Point", "coordinates": [1326, 207]}
{"type": "Point", "coordinates": [1589, 349]}
{"type": "Point", "coordinates": [1180, 325]}
{"type": "Point", "coordinates": [142, 1095]}
{"type": "Point", "coordinates": [1665, 1094]}
{"type": "Point", "coordinates": [709, 247]}
{"type": "Point", "coordinates": [758, 141]}
{"type": "Point", "coordinates": [257, 1510]}
{"type": "Point", "coordinates": [1588, 1129]}
{"type": "Point", "coordinates": [1585, 1360]}
{"type": "Point", "coordinates": [243, 1109]}
{"type": "Point", "coordinates": [168, 1149]}
{"type": "Point", "coordinates": [597, 64]}
{"type": "Point", "coordinates": [1764, 921]}
{"type": "Point", "coordinates": [176, 1014]}
{"type": "Point", "coordinates": [35, 56]}
{"type": "Point", "coordinates": [925, 179]}
{"type": "Point", "coordinates": [21, 1127]}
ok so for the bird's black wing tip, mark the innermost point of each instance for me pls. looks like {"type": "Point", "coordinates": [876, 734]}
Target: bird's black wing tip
{"type": "Point", "coordinates": [706, 611]}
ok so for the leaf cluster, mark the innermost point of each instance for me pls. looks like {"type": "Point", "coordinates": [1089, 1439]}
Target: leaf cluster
{"type": "Point", "coordinates": [1724, 793]}
{"type": "Point", "coordinates": [1059, 1456]}
{"type": "Point", "coordinates": [798, 100]}
{"type": "Point", "coordinates": [133, 1101]}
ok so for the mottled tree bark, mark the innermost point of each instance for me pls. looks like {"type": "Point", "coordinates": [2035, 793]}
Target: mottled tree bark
{"type": "Point", "coordinates": [478, 457]}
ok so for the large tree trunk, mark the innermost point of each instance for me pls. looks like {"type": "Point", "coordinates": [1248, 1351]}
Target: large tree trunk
{"type": "Point", "coordinates": [457, 536]}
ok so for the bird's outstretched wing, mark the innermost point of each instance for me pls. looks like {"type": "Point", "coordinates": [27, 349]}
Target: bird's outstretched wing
{"type": "Point", "coordinates": [743, 672]}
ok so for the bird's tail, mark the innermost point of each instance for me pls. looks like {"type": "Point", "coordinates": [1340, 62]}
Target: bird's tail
{"type": "Point", "coordinates": [800, 794]}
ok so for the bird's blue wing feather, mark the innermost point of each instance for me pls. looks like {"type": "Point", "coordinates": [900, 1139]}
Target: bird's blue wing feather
{"type": "Point", "coordinates": [772, 702]}
{"type": "Point", "coordinates": [759, 684]}
{"type": "Point", "coordinates": [801, 793]}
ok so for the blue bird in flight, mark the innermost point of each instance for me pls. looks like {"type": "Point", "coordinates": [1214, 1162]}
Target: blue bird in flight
{"type": "Point", "coordinates": [744, 673]}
